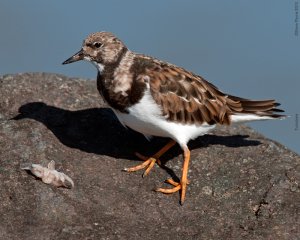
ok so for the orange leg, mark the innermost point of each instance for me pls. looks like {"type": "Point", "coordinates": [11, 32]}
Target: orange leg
{"type": "Point", "coordinates": [183, 183]}
{"type": "Point", "coordinates": [149, 162]}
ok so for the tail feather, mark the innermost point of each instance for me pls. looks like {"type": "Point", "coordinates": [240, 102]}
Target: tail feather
{"type": "Point", "coordinates": [260, 108]}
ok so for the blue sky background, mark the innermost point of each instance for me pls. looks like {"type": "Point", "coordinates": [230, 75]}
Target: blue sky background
{"type": "Point", "coordinates": [246, 48]}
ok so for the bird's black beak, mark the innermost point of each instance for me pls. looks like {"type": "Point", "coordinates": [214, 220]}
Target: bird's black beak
{"type": "Point", "coordinates": [76, 57]}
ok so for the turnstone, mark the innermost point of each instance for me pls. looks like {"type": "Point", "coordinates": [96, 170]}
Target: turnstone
{"type": "Point", "coordinates": [157, 98]}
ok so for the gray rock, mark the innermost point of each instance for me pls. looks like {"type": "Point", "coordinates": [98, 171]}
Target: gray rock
{"type": "Point", "coordinates": [243, 186]}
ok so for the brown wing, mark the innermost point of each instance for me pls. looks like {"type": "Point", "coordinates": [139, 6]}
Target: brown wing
{"type": "Point", "coordinates": [187, 98]}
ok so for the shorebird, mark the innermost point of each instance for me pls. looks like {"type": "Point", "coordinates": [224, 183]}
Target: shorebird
{"type": "Point", "coordinates": [157, 98]}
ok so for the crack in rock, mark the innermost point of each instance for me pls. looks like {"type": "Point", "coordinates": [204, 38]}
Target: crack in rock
{"type": "Point", "coordinates": [263, 201]}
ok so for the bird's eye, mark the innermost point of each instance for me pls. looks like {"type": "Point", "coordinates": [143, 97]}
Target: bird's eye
{"type": "Point", "coordinates": [97, 44]}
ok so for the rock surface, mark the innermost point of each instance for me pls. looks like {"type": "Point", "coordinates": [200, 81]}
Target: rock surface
{"type": "Point", "coordinates": [243, 186]}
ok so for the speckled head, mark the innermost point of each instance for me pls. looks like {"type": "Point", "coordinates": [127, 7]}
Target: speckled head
{"type": "Point", "coordinates": [99, 48]}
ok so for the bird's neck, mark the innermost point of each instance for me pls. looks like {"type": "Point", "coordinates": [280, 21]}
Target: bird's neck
{"type": "Point", "coordinates": [99, 66]}
{"type": "Point", "coordinates": [118, 73]}
{"type": "Point", "coordinates": [114, 80]}
{"type": "Point", "coordinates": [118, 85]}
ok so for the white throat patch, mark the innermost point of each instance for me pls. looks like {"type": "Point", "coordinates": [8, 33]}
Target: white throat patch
{"type": "Point", "coordinates": [99, 66]}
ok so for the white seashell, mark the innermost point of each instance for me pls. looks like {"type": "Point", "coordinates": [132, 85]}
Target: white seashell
{"type": "Point", "coordinates": [49, 175]}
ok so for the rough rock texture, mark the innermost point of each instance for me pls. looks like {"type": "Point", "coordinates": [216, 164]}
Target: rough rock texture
{"type": "Point", "coordinates": [243, 186]}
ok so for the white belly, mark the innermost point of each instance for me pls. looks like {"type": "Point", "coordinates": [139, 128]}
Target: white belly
{"type": "Point", "coordinates": [145, 117]}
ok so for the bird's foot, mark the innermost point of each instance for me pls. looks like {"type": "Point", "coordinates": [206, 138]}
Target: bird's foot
{"type": "Point", "coordinates": [176, 187]}
{"type": "Point", "coordinates": [148, 164]}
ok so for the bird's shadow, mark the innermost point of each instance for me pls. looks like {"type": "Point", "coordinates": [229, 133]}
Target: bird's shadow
{"type": "Point", "coordinates": [97, 130]}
